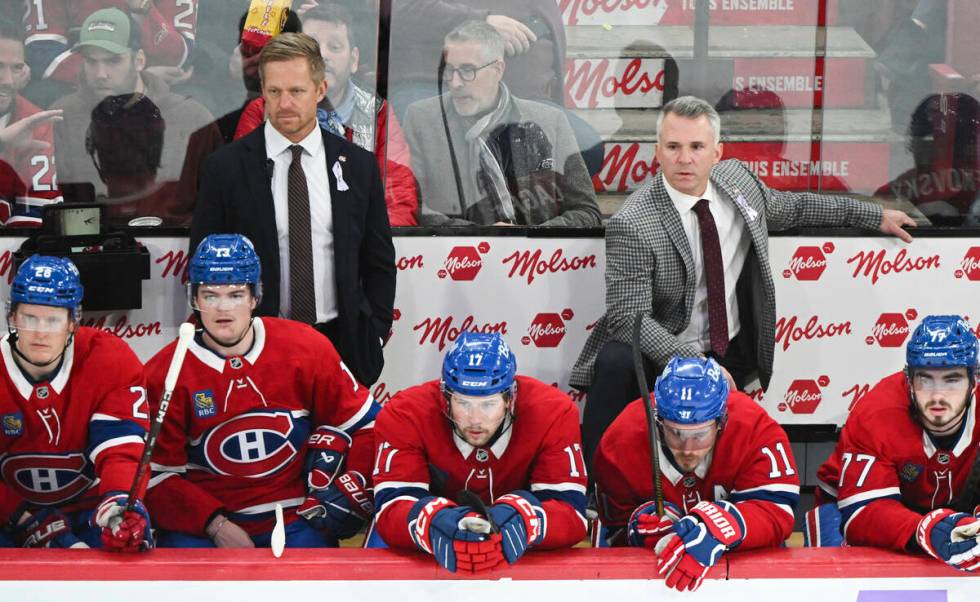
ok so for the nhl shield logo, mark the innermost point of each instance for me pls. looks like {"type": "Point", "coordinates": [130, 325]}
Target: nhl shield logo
{"type": "Point", "coordinates": [12, 424]}
{"type": "Point", "coordinates": [482, 455]}
{"type": "Point", "coordinates": [204, 405]}
{"type": "Point", "coordinates": [235, 362]}
{"type": "Point", "coordinates": [943, 458]}
{"type": "Point", "coordinates": [690, 481]}
{"type": "Point", "coordinates": [42, 392]}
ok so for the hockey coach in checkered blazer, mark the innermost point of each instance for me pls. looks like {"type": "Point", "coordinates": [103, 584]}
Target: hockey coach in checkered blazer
{"type": "Point", "coordinates": [690, 250]}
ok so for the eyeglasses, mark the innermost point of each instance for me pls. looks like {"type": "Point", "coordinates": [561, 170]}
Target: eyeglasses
{"type": "Point", "coordinates": [467, 73]}
{"type": "Point", "coordinates": [952, 383]}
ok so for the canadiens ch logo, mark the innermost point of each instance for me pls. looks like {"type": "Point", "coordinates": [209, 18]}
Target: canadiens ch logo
{"type": "Point", "coordinates": [42, 392]}
{"type": "Point", "coordinates": [12, 424]}
{"type": "Point", "coordinates": [943, 458]}
{"type": "Point", "coordinates": [46, 479]}
{"type": "Point", "coordinates": [204, 406]}
{"type": "Point", "coordinates": [255, 444]}
{"type": "Point", "coordinates": [482, 455]}
{"type": "Point", "coordinates": [235, 362]}
{"type": "Point", "coordinates": [910, 472]}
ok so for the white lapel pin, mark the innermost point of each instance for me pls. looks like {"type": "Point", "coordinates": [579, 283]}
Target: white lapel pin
{"type": "Point", "coordinates": [338, 173]}
{"type": "Point", "coordinates": [749, 211]}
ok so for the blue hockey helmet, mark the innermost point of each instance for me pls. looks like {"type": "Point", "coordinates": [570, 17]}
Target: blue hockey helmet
{"type": "Point", "coordinates": [942, 342]}
{"type": "Point", "coordinates": [44, 280]}
{"type": "Point", "coordinates": [480, 365]}
{"type": "Point", "coordinates": [691, 390]}
{"type": "Point", "coordinates": [226, 259]}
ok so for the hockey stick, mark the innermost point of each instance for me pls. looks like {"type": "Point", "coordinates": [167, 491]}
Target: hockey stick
{"type": "Point", "coordinates": [278, 540]}
{"type": "Point", "coordinates": [641, 381]}
{"type": "Point", "coordinates": [468, 498]}
{"type": "Point", "coordinates": [184, 337]}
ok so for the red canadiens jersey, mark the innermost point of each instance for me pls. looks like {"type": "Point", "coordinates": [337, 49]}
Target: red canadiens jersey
{"type": "Point", "coordinates": [28, 179]}
{"type": "Point", "coordinates": [68, 441]}
{"type": "Point", "coordinates": [888, 470]}
{"type": "Point", "coordinates": [236, 431]}
{"type": "Point", "coordinates": [751, 466]}
{"type": "Point", "coordinates": [168, 31]}
{"type": "Point", "coordinates": [420, 455]}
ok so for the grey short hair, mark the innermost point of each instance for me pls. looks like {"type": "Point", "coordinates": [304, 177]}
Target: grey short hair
{"type": "Point", "coordinates": [481, 33]}
{"type": "Point", "coordinates": [691, 107]}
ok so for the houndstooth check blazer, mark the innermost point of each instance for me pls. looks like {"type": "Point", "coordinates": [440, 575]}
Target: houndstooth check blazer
{"type": "Point", "coordinates": [649, 266]}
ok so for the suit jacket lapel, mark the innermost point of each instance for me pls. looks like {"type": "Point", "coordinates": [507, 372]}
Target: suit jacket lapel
{"type": "Point", "coordinates": [752, 222]}
{"type": "Point", "coordinates": [672, 223]}
{"type": "Point", "coordinates": [339, 199]}
{"type": "Point", "coordinates": [259, 183]}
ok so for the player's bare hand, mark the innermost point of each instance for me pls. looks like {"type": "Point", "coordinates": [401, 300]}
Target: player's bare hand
{"type": "Point", "coordinates": [19, 135]}
{"type": "Point", "coordinates": [892, 221]}
{"type": "Point", "coordinates": [518, 37]}
{"type": "Point", "coordinates": [172, 75]}
{"type": "Point", "coordinates": [226, 534]}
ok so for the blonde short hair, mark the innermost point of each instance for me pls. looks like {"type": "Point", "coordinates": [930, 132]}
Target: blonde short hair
{"type": "Point", "coordinates": [288, 46]}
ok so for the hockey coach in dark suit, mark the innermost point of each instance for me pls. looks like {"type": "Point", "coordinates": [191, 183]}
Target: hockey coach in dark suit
{"type": "Point", "coordinates": [690, 249]}
{"type": "Point", "coordinates": [313, 205]}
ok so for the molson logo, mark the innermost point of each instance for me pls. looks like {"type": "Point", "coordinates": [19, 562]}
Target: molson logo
{"type": "Point", "coordinates": [970, 266]}
{"type": "Point", "coordinates": [891, 329]}
{"type": "Point", "coordinates": [855, 393]}
{"type": "Point", "coordinates": [174, 265]}
{"type": "Point", "coordinates": [547, 329]}
{"type": "Point", "coordinates": [625, 166]}
{"type": "Point", "coordinates": [809, 262]}
{"type": "Point", "coordinates": [440, 331]}
{"type": "Point", "coordinates": [803, 395]}
{"type": "Point", "coordinates": [875, 265]}
{"type": "Point", "coordinates": [531, 265]}
{"type": "Point", "coordinates": [409, 263]}
{"type": "Point", "coordinates": [6, 265]}
{"type": "Point", "coordinates": [464, 263]}
{"type": "Point", "coordinates": [122, 328]}
{"type": "Point", "coordinates": [597, 12]}
{"type": "Point", "coordinates": [609, 83]}
{"type": "Point", "coordinates": [788, 331]}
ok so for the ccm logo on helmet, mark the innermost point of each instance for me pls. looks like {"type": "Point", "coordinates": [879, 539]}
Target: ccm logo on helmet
{"type": "Point", "coordinates": [46, 479]}
{"type": "Point", "coordinates": [254, 445]}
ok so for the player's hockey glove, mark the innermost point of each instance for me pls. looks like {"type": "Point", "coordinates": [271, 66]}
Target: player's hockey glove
{"type": "Point", "coordinates": [821, 527]}
{"type": "Point", "coordinates": [521, 521]}
{"type": "Point", "coordinates": [44, 528]}
{"type": "Point", "coordinates": [342, 508]}
{"type": "Point", "coordinates": [953, 537]}
{"type": "Point", "coordinates": [456, 536]}
{"type": "Point", "coordinates": [122, 531]}
{"type": "Point", "coordinates": [645, 528]}
{"type": "Point", "coordinates": [698, 541]}
{"type": "Point", "coordinates": [325, 454]}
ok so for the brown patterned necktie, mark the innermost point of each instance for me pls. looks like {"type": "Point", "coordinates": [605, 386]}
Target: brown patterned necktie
{"type": "Point", "coordinates": [301, 289]}
{"type": "Point", "coordinates": [714, 273]}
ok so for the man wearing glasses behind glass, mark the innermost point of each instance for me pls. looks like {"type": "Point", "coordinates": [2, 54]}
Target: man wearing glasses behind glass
{"type": "Point", "coordinates": [901, 473]}
{"type": "Point", "coordinates": [512, 161]}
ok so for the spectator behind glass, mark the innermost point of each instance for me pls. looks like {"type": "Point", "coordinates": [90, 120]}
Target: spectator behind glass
{"type": "Point", "coordinates": [511, 161]}
{"type": "Point", "coordinates": [125, 143]}
{"type": "Point", "coordinates": [942, 138]}
{"type": "Point", "coordinates": [168, 26]}
{"type": "Point", "coordinates": [27, 169]}
{"type": "Point", "coordinates": [112, 64]}
{"type": "Point", "coordinates": [353, 112]}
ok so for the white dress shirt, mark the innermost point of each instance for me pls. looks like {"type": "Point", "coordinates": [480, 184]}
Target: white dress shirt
{"type": "Point", "coordinates": [734, 238]}
{"type": "Point", "coordinates": [321, 217]}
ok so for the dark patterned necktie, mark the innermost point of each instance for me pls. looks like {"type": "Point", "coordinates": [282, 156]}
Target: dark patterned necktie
{"type": "Point", "coordinates": [302, 297]}
{"type": "Point", "coordinates": [714, 273]}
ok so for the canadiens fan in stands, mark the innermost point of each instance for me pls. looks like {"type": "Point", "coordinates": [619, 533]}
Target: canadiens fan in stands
{"type": "Point", "coordinates": [73, 415]}
{"type": "Point", "coordinates": [905, 474]}
{"type": "Point", "coordinates": [264, 413]}
{"type": "Point", "coordinates": [481, 465]}
{"type": "Point", "coordinates": [728, 475]}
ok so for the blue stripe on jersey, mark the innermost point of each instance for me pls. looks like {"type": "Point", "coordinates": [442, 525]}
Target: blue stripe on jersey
{"type": "Point", "coordinates": [367, 418]}
{"type": "Point", "coordinates": [385, 495]}
{"type": "Point", "coordinates": [100, 431]}
{"type": "Point", "coordinates": [763, 495]}
{"type": "Point", "coordinates": [575, 499]}
{"type": "Point", "coordinates": [848, 511]}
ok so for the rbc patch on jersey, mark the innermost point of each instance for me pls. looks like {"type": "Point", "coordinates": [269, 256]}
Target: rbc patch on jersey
{"type": "Point", "coordinates": [12, 424]}
{"type": "Point", "coordinates": [204, 403]}
{"type": "Point", "coordinates": [910, 472]}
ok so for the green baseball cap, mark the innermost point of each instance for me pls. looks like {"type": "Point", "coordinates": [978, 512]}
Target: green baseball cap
{"type": "Point", "coordinates": [108, 29]}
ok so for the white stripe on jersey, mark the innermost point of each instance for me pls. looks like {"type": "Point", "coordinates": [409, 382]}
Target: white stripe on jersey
{"type": "Point", "coordinates": [848, 523]}
{"type": "Point", "coordinates": [779, 487]}
{"type": "Point", "coordinates": [392, 501]}
{"type": "Point", "coordinates": [397, 484]}
{"type": "Point", "coordinates": [558, 487]}
{"type": "Point", "coordinates": [114, 442]}
{"type": "Point", "coordinates": [104, 417]}
{"type": "Point", "coordinates": [269, 507]}
{"type": "Point", "coordinates": [868, 495]}
{"type": "Point", "coordinates": [159, 479]}
{"type": "Point", "coordinates": [161, 468]}
{"type": "Point", "coordinates": [361, 413]}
